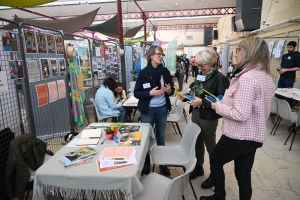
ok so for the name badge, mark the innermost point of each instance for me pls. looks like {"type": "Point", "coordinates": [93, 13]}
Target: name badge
{"type": "Point", "coordinates": [146, 85]}
{"type": "Point", "coordinates": [201, 78]}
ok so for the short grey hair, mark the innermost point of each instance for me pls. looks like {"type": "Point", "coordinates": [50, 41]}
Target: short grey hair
{"type": "Point", "coordinates": [207, 56]}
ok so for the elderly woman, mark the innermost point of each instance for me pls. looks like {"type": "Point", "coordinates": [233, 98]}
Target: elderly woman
{"type": "Point", "coordinates": [153, 88]}
{"type": "Point", "coordinates": [212, 81]}
{"type": "Point", "coordinates": [245, 109]}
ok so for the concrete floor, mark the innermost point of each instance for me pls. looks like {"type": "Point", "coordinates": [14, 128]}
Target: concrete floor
{"type": "Point", "coordinates": [276, 170]}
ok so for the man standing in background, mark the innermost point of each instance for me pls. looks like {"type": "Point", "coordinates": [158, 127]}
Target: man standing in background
{"type": "Point", "coordinates": [290, 63]}
{"type": "Point", "coordinates": [187, 65]}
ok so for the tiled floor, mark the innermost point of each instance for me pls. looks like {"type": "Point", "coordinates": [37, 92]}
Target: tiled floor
{"type": "Point", "coordinates": [275, 174]}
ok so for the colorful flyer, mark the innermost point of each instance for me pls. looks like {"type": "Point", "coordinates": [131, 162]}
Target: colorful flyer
{"type": "Point", "coordinates": [16, 69]}
{"type": "Point", "coordinates": [51, 44]}
{"type": "Point", "coordinates": [52, 89]}
{"type": "Point", "coordinates": [9, 41]}
{"type": "Point", "coordinates": [61, 89]}
{"type": "Point", "coordinates": [59, 45]}
{"type": "Point", "coordinates": [41, 42]}
{"type": "Point", "coordinates": [30, 42]}
{"type": "Point", "coordinates": [44, 65]}
{"type": "Point", "coordinates": [42, 94]}
{"type": "Point", "coordinates": [54, 67]}
{"type": "Point", "coordinates": [62, 66]}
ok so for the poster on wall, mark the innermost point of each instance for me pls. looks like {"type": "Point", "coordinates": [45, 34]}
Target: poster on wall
{"type": "Point", "coordinates": [3, 82]}
{"type": "Point", "coordinates": [61, 89]}
{"type": "Point", "coordinates": [85, 66]}
{"type": "Point", "coordinates": [9, 41]}
{"type": "Point", "coordinates": [30, 42]}
{"type": "Point", "coordinates": [62, 66]}
{"type": "Point", "coordinates": [41, 42]}
{"type": "Point", "coordinates": [42, 94]}
{"type": "Point", "coordinates": [16, 69]}
{"type": "Point", "coordinates": [112, 69]}
{"type": "Point", "coordinates": [54, 68]}
{"type": "Point", "coordinates": [97, 51]}
{"type": "Point", "coordinates": [59, 45]}
{"type": "Point", "coordinates": [44, 65]}
{"type": "Point", "coordinates": [52, 89]}
{"type": "Point", "coordinates": [171, 56]}
{"type": "Point", "coordinates": [33, 70]}
{"type": "Point", "coordinates": [51, 44]}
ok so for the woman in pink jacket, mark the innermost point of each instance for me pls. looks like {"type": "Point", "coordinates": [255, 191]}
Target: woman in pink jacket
{"type": "Point", "coordinates": [245, 109]}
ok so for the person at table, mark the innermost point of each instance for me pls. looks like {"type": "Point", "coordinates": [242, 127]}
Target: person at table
{"type": "Point", "coordinates": [290, 63]}
{"type": "Point", "coordinates": [120, 96]}
{"type": "Point", "coordinates": [245, 109]}
{"type": "Point", "coordinates": [153, 88]}
{"type": "Point", "coordinates": [214, 82]}
{"type": "Point", "coordinates": [106, 105]}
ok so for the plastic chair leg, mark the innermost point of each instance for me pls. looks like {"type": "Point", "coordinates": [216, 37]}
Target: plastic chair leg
{"type": "Point", "coordinates": [174, 128]}
{"type": "Point", "coordinates": [178, 129]}
{"type": "Point", "coordinates": [193, 189]}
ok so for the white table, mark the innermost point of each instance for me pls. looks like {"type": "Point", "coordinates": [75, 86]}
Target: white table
{"type": "Point", "coordinates": [85, 179]}
{"type": "Point", "coordinates": [289, 93]}
{"type": "Point", "coordinates": [131, 103]}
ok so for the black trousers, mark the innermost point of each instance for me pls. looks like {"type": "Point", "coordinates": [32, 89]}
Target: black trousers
{"type": "Point", "coordinates": [195, 71]}
{"type": "Point", "coordinates": [243, 153]}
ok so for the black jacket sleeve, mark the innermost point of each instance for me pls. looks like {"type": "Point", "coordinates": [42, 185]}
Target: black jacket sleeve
{"type": "Point", "coordinates": [139, 91]}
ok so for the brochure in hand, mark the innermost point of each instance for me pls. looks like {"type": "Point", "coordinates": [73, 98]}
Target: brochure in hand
{"type": "Point", "coordinates": [187, 96]}
{"type": "Point", "coordinates": [129, 129]}
{"type": "Point", "coordinates": [78, 156]}
{"type": "Point", "coordinates": [131, 139]}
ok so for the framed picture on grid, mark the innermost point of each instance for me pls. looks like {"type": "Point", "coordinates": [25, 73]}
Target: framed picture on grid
{"type": "Point", "coordinates": [41, 42]}
{"type": "Point", "coordinates": [51, 47]}
{"type": "Point", "coordinates": [30, 41]}
{"type": "Point", "coordinates": [9, 41]}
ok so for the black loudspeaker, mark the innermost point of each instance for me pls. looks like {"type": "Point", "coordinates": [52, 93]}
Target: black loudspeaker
{"type": "Point", "coordinates": [208, 36]}
{"type": "Point", "coordinates": [233, 26]}
{"type": "Point", "coordinates": [215, 34]}
{"type": "Point", "coordinates": [248, 14]}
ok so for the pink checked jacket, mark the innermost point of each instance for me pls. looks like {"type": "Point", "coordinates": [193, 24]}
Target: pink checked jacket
{"type": "Point", "coordinates": [245, 106]}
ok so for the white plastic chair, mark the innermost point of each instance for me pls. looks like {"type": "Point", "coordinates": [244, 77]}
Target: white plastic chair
{"type": "Point", "coordinates": [100, 118]}
{"type": "Point", "coordinates": [173, 101]}
{"type": "Point", "coordinates": [177, 116]}
{"type": "Point", "coordinates": [180, 154]}
{"type": "Point", "coordinates": [159, 187]}
{"type": "Point", "coordinates": [274, 110]}
{"type": "Point", "coordinates": [296, 85]}
{"type": "Point", "coordinates": [284, 111]}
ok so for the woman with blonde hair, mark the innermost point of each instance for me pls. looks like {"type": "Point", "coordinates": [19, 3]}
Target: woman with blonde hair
{"type": "Point", "coordinates": [210, 80]}
{"type": "Point", "coordinates": [245, 109]}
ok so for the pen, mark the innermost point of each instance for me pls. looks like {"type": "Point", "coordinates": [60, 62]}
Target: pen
{"type": "Point", "coordinates": [103, 141]}
{"type": "Point", "coordinates": [210, 94]}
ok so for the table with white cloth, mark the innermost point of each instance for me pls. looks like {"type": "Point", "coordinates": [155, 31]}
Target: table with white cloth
{"type": "Point", "coordinates": [84, 181]}
{"type": "Point", "coordinates": [290, 93]}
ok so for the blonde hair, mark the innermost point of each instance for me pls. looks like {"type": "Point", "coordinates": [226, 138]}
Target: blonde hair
{"type": "Point", "coordinates": [151, 51]}
{"type": "Point", "coordinates": [208, 56]}
{"type": "Point", "coordinates": [254, 50]}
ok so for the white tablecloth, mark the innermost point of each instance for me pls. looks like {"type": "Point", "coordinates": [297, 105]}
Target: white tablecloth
{"type": "Point", "coordinates": [86, 180]}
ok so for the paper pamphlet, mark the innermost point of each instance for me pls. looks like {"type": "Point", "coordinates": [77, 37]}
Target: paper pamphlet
{"type": "Point", "coordinates": [87, 141]}
{"type": "Point", "coordinates": [91, 133]}
{"type": "Point", "coordinates": [117, 152]}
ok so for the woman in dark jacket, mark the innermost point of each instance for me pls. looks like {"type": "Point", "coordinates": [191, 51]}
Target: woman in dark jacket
{"type": "Point", "coordinates": [153, 88]}
{"type": "Point", "coordinates": [212, 81]}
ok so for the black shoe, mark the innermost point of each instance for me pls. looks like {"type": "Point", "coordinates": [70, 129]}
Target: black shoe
{"type": "Point", "coordinates": [208, 183]}
{"type": "Point", "coordinates": [146, 168]}
{"type": "Point", "coordinates": [213, 197]}
{"type": "Point", "coordinates": [198, 171]}
{"type": "Point", "coordinates": [164, 170]}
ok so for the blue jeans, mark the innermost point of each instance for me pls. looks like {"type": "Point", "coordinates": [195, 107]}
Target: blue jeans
{"type": "Point", "coordinates": [157, 116]}
{"type": "Point", "coordinates": [121, 116]}
{"type": "Point", "coordinates": [243, 153]}
{"type": "Point", "coordinates": [286, 83]}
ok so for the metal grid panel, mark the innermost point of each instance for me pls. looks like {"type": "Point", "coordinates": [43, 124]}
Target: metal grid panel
{"type": "Point", "coordinates": [10, 115]}
{"type": "Point", "coordinates": [275, 62]}
{"type": "Point", "coordinates": [51, 121]}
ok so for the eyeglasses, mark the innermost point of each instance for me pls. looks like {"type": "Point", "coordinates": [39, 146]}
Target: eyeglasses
{"type": "Point", "coordinates": [159, 54]}
{"type": "Point", "coordinates": [238, 50]}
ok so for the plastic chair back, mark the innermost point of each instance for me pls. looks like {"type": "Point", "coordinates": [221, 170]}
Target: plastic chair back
{"type": "Point", "coordinates": [179, 110]}
{"type": "Point", "coordinates": [274, 107]}
{"type": "Point", "coordinates": [174, 104]}
{"type": "Point", "coordinates": [189, 138]}
{"type": "Point", "coordinates": [296, 85]}
{"type": "Point", "coordinates": [284, 110]}
{"type": "Point", "coordinates": [176, 188]}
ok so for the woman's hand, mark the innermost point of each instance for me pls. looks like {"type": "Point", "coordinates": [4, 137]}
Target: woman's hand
{"type": "Point", "coordinates": [156, 92]}
{"type": "Point", "coordinates": [213, 106]}
{"type": "Point", "coordinates": [196, 102]}
{"type": "Point", "coordinates": [167, 89]}
{"type": "Point", "coordinates": [180, 97]}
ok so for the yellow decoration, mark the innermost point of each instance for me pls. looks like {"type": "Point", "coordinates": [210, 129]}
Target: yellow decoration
{"type": "Point", "coordinates": [24, 3]}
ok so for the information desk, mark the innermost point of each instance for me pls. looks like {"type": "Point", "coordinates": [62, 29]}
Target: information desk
{"type": "Point", "coordinates": [84, 181]}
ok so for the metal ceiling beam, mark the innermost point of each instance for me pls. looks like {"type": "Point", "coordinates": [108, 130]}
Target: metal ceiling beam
{"type": "Point", "coordinates": [185, 26]}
